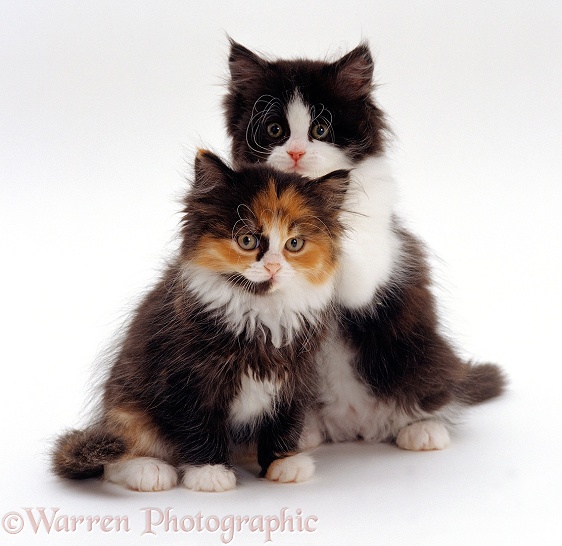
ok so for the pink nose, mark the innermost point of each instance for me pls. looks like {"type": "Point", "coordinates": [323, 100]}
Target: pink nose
{"type": "Point", "coordinates": [296, 154]}
{"type": "Point", "coordinates": [272, 267]}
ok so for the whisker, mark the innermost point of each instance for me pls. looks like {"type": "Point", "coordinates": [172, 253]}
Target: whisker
{"type": "Point", "coordinates": [262, 109]}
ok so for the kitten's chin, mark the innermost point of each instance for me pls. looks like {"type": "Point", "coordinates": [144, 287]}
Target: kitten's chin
{"type": "Point", "coordinates": [299, 169]}
{"type": "Point", "coordinates": [266, 288]}
{"type": "Point", "coordinates": [269, 287]}
{"type": "Point", "coordinates": [275, 286]}
{"type": "Point", "coordinates": [258, 287]}
{"type": "Point", "coordinates": [247, 285]}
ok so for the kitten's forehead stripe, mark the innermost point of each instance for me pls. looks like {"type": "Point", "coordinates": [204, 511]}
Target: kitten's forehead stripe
{"type": "Point", "coordinates": [298, 118]}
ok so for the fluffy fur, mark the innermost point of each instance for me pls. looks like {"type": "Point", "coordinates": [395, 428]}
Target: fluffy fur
{"type": "Point", "coordinates": [221, 351]}
{"type": "Point", "coordinates": [384, 365]}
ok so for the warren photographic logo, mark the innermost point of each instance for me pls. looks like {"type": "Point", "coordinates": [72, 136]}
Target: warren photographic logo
{"type": "Point", "coordinates": [158, 521]}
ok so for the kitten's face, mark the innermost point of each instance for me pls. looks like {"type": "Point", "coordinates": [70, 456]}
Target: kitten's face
{"type": "Point", "coordinates": [294, 136]}
{"type": "Point", "coordinates": [262, 230]}
{"type": "Point", "coordinates": [307, 117]}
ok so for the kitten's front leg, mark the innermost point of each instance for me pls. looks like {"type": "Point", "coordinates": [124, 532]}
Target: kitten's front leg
{"type": "Point", "coordinates": [207, 466]}
{"type": "Point", "coordinates": [278, 446]}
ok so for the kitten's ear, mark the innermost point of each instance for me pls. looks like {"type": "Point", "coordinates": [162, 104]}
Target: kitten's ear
{"type": "Point", "coordinates": [210, 172]}
{"type": "Point", "coordinates": [332, 188]}
{"type": "Point", "coordinates": [354, 72]}
{"type": "Point", "coordinates": [245, 66]}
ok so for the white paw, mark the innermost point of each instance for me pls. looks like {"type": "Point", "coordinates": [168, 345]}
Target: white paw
{"type": "Point", "coordinates": [142, 474]}
{"type": "Point", "coordinates": [296, 468]}
{"type": "Point", "coordinates": [423, 436]}
{"type": "Point", "coordinates": [210, 477]}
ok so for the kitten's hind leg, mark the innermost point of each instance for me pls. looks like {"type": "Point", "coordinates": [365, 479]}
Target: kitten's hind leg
{"type": "Point", "coordinates": [423, 436]}
{"type": "Point", "coordinates": [142, 474]}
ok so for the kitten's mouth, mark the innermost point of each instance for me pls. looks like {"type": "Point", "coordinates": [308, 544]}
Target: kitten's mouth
{"type": "Point", "coordinates": [259, 288]}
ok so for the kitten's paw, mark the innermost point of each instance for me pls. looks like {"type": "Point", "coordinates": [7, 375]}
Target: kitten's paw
{"type": "Point", "coordinates": [142, 474]}
{"type": "Point", "coordinates": [423, 436]}
{"type": "Point", "coordinates": [210, 477]}
{"type": "Point", "coordinates": [295, 468]}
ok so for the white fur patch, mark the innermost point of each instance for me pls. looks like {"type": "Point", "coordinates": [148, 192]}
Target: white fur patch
{"type": "Point", "coordinates": [371, 248]}
{"type": "Point", "coordinates": [280, 314]}
{"type": "Point", "coordinates": [253, 400]}
{"type": "Point", "coordinates": [423, 436]}
{"type": "Point", "coordinates": [348, 410]}
{"type": "Point", "coordinates": [320, 157]}
{"type": "Point", "coordinates": [142, 474]}
{"type": "Point", "coordinates": [209, 477]}
{"type": "Point", "coordinates": [296, 468]}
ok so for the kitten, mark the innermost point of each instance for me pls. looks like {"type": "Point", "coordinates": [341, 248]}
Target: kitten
{"type": "Point", "coordinates": [221, 351]}
{"type": "Point", "coordinates": [386, 371]}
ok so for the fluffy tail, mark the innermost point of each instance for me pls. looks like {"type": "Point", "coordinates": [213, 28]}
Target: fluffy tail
{"type": "Point", "coordinates": [480, 383]}
{"type": "Point", "coordinates": [81, 454]}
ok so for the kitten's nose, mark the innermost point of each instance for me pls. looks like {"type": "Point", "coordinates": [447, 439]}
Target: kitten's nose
{"type": "Point", "coordinates": [296, 154]}
{"type": "Point", "coordinates": [272, 267]}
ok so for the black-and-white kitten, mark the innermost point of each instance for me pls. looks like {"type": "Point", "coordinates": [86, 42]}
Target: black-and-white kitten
{"type": "Point", "coordinates": [221, 352]}
{"type": "Point", "coordinates": [387, 373]}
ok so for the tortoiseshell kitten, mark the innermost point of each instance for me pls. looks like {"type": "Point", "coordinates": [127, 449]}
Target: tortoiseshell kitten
{"type": "Point", "coordinates": [386, 371]}
{"type": "Point", "coordinates": [221, 352]}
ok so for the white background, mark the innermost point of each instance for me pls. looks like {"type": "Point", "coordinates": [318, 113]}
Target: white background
{"type": "Point", "coordinates": [102, 105]}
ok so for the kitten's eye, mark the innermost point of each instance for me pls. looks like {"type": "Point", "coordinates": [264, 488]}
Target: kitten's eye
{"type": "Point", "coordinates": [295, 244]}
{"type": "Point", "coordinates": [274, 130]}
{"type": "Point", "coordinates": [320, 131]}
{"type": "Point", "coordinates": [248, 242]}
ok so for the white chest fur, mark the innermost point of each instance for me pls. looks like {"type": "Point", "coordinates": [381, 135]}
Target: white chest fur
{"type": "Point", "coordinates": [348, 409]}
{"type": "Point", "coordinates": [254, 399]}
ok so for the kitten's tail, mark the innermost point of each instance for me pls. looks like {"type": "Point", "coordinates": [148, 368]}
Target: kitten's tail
{"type": "Point", "coordinates": [481, 382]}
{"type": "Point", "coordinates": [81, 454]}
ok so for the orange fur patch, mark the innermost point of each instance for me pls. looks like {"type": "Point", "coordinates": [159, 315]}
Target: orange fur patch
{"type": "Point", "coordinates": [315, 259]}
{"type": "Point", "coordinates": [139, 433]}
{"type": "Point", "coordinates": [222, 255]}
{"type": "Point", "coordinates": [270, 208]}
